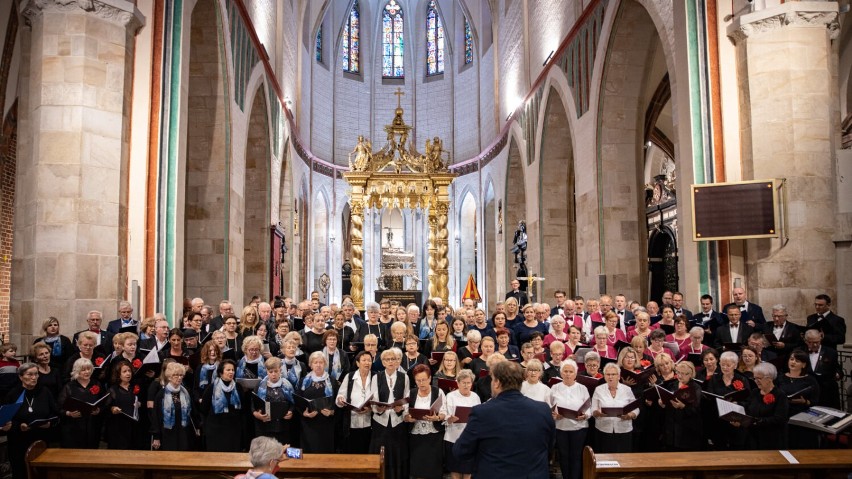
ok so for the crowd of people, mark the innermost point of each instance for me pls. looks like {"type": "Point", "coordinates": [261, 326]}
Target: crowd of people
{"type": "Point", "coordinates": [411, 379]}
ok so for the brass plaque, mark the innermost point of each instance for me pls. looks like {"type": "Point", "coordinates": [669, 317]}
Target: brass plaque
{"type": "Point", "coordinates": [747, 209]}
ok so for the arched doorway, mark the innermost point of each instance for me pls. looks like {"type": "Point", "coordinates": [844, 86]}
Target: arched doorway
{"type": "Point", "coordinates": [467, 241]}
{"type": "Point", "coordinates": [662, 263]}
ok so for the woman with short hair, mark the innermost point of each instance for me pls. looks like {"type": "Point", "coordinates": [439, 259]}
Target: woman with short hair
{"type": "Point", "coordinates": [222, 407]}
{"type": "Point", "coordinates": [265, 454]}
{"type": "Point", "coordinates": [613, 433]}
{"type": "Point", "coordinates": [336, 358]}
{"type": "Point", "coordinates": [48, 376]}
{"type": "Point", "coordinates": [172, 423]}
{"type": "Point", "coordinates": [570, 432]}
{"type": "Point", "coordinates": [461, 397]}
{"type": "Point", "coordinates": [355, 389]}
{"type": "Point", "coordinates": [274, 389]}
{"type": "Point", "coordinates": [427, 434]}
{"type": "Point", "coordinates": [317, 434]}
{"type": "Point", "coordinates": [683, 429]}
{"type": "Point", "coordinates": [719, 431]}
{"type": "Point", "coordinates": [389, 386]}
{"type": "Point", "coordinates": [767, 404]}
{"type": "Point", "coordinates": [532, 386]}
{"type": "Point", "coordinates": [80, 429]}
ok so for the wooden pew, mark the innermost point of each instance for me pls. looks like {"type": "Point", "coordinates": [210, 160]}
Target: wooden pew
{"type": "Point", "coordinates": [48, 463]}
{"type": "Point", "coordinates": [813, 464]}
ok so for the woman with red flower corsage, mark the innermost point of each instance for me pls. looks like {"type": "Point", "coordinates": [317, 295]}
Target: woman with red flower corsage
{"type": "Point", "coordinates": [722, 435]}
{"type": "Point", "coordinates": [81, 429]}
{"type": "Point", "coordinates": [683, 429]}
{"type": "Point", "coordinates": [768, 405]}
{"type": "Point", "coordinates": [123, 422]}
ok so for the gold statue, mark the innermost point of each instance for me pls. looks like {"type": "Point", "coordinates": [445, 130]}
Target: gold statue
{"type": "Point", "coordinates": [362, 153]}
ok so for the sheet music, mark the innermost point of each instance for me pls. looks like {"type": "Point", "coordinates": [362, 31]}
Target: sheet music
{"type": "Point", "coordinates": [725, 407]}
{"type": "Point", "coordinates": [152, 357]}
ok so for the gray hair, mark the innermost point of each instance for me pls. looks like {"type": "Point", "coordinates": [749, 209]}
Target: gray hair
{"type": "Point", "coordinates": [767, 369]}
{"type": "Point", "coordinates": [568, 362]}
{"type": "Point", "coordinates": [317, 355]}
{"type": "Point", "coordinates": [612, 366]}
{"type": "Point", "coordinates": [373, 307]}
{"type": "Point", "coordinates": [124, 304]}
{"type": "Point", "coordinates": [27, 366]}
{"type": "Point", "coordinates": [80, 365]}
{"type": "Point", "coordinates": [592, 356]}
{"type": "Point", "coordinates": [465, 374]}
{"type": "Point", "coordinates": [535, 365]}
{"type": "Point", "coordinates": [474, 336]}
{"type": "Point", "coordinates": [729, 356]}
{"type": "Point", "coordinates": [779, 307]}
{"type": "Point", "coordinates": [264, 450]}
{"type": "Point", "coordinates": [697, 329]}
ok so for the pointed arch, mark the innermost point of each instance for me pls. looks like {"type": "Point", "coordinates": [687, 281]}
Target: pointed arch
{"type": "Point", "coordinates": [256, 217]}
{"type": "Point", "coordinates": [393, 45]}
{"type": "Point", "coordinates": [350, 48]}
{"type": "Point", "coordinates": [514, 203]}
{"type": "Point", "coordinates": [434, 40]}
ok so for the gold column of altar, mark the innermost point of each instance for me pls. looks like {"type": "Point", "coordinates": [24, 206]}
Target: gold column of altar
{"type": "Point", "coordinates": [398, 176]}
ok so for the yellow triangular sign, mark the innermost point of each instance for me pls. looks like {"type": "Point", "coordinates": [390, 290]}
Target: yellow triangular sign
{"type": "Point", "coordinates": [470, 291]}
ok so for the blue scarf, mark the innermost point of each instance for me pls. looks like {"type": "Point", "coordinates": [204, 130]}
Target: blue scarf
{"type": "Point", "coordinates": [336, 369]}
{"type": "Point", "coordinates": [313, 378]}
{"type": "Point", "coordinates": [220, 399]}
{"type": "Point", "coordinates": [294, 370]}
{"type": "Point", "coordinates": [285, 386]}
{"type": "Point", "coordinates": [56, 344]}
{"type": "Point", "coordinates": [241, 367]}
{"type": "Point", "coordinates": [168, 407]}
{"type": "Point", "coordinates": [206, 368]}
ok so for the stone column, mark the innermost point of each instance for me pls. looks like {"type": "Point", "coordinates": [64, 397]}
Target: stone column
{"type": "Point", "coordinates": [784, 66]}
{"type": "Point", "coordinates": [71, 212]}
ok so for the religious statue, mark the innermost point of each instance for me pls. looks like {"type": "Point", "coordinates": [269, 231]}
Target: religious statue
{"type": "Point", "coordinates": [519, 243]}
{"type": "Point", "coordinates": [432, 160]}
{"type": "Point", "coordinates": [362, 151]}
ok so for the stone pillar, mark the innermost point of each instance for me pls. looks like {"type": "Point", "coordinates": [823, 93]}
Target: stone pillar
{"type": "Point", "coordinates": [71, 212]}
{"type": "Point", "coordinates": [784, 67]}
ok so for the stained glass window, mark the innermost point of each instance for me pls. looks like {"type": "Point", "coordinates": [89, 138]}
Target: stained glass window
{"type": "Point", "coordinates": [392, 43]}
{"type": "Point", "coordinates": [434, 41]}
{"type": "Point", "coordinates": [351, 40]}
{"type": "Point", "coordinates": [468, 43]}
{"type": "Point", "coordinates": [319, 44]}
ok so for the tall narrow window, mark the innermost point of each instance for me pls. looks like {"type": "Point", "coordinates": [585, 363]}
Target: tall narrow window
{"type": "Point", "coordinates": [319, 45]}
{"type": "Point", "coordinates": [434, 41]}
{"type": "Point", "coordinates": [392, 43]}
{"type": "Point", "coordinates": [468, 43]}
{"type": "Point", "coordinates": [351, 40]}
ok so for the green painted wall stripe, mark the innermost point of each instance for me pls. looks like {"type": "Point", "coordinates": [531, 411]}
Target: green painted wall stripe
{"type": "Point", "coordinates": [226, 95]}
{"type": "Point", "coordinates": [171, 159]}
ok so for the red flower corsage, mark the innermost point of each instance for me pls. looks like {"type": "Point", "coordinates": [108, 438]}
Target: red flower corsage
{"type": "Point", "coordinates": [768, 399]}
{"type": "Point", "coordinates": [598, 375]}
{"type": "Point", "coordinates": [738, 385]}
{"type": "Point", "coordinates": [136, 389]}
{"type": "Point", "coordinates": [644, 363]}
{"type": "Point", "coordinates": [683, 386]}
{"type": "Point", "coordinates": [99, 361]}
{"type": "Point", "coordinates": [137, 363]}
{"type": "Point", "coordinates": [95, 389]}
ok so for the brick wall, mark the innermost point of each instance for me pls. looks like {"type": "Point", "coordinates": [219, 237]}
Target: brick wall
{"type": "Point", "coordinates": [8, 160]}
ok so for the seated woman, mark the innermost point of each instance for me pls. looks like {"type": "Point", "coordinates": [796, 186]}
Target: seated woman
{"type": "Point", "coordinates": [613, 433]}
{"type": "Point", "coordinates": [642, 328]}
{"type": "Point", "coordinates": [504, 347]}
{"type": "Point", "coordinates": [462, 397]}
{"type": "Point", "coordinates": [275, 420]}
{"type": "Point", "coordinates": [427, 434]}
{"type": "Point", "coordinates": [532, 387]}
{"type": "Point", "coordinates": [222, 409]}
{"type": "Point", "coordinates": [768, 405]}
{"type": "Point", "coordinates": [682, 420]}
{"type": "Point", "coordinates": [802, 389]}
{"type": "Point", "coordinates": [317, 432]}
{"type": "Point", "coordinates": [172, 425]}
{"type": "Point", "coordinates": [571, 433]}
{"type": "Point", "coordinates": [79, 429]}
{"type": "Point", "coordinates": [355, 389]}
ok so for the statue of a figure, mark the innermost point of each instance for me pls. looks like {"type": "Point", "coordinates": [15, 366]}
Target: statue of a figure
{"type": "Point", "coordinates": [434, 155]}
{"type": "Point", "coordinates": [362, 155]}
{"type": "Point", "coordinates": [519, 247]}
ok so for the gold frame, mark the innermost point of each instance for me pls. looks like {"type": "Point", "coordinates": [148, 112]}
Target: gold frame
{"type": "Point", "coordinates": [777, 208]}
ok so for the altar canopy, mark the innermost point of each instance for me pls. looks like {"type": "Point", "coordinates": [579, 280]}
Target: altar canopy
{"type": "Point", "coordinates": [398, 176]}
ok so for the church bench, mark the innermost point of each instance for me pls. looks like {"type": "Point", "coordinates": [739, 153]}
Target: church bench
{"type": "Point", "coordinates": [49, 463]}
{"type": "Point", "coordinates": [814, 464]}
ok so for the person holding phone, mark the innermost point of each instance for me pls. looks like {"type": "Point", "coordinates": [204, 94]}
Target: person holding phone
{"type": "Point", "coordinates": [265, 455]}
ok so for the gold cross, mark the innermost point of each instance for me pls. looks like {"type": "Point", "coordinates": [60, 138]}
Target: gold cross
{"type": "Point", "coordinates": [398, 94]}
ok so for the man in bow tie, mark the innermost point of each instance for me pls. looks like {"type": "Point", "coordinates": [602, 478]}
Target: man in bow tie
{"type": "Point", "coordinates": [752, 314]}
{"type": "Point", "coordinates": [832, 326]}
{"type": "Point", "coordinates": [677, 304]}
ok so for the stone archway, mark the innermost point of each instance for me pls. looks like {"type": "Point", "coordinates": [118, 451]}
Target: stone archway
{"type": "Point", "coordinates": [256, 231]}
{"type": "Point", "coordinates": [662, 263]}
{"type": "Point", "coordinates": [489, 238]}
{"type": "Point", "coordinates": [558, 211]}
{"type": "Point", "coordinates": [514, 208]}
{"type": "Point", "coordinates": [207, 179]}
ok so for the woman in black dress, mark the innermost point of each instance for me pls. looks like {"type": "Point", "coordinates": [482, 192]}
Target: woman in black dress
{"type": "Point", "coordinates": [172, 425]}
{"type": "Point", "coordinates": [37, 404]}
{"type": "Point", "coordinates": [206, 370]}
{"type": "Point", "coordinates": [274, 389]}
{"type": "Point", "coordinates": [123, 422]}
{"type": "Point", "coordinates": [426, 439]}
{"type": "Point", "coordinates": [802, 389]}
{"type": "Point", "coordinates": [61, 347]}
{"type": "Point", "coordinates": [721, 433]}
{"type": "Point", "coordinates": [317, 434]}
{"type": "Point", "coordinates": [82, 429]}
{"type": "Point", "coordinates": [682, 419]}
{"type": "Point", "coordinates": [48, 376]}
{"type": "Point", "coordinates": [768, 405]}
{"type": "Point", "coordinates": [222, 409]}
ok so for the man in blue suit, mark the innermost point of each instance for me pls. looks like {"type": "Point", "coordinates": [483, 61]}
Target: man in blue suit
{"type": "Point", "coordinates": [510, 435]}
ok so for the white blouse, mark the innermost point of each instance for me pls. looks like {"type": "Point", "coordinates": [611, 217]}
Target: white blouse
{"type": "Point", "coordinates": [360, 391]}
{"type": "Point", "coordinates": [537, 391]}
{"type": "Point", "coordinates": [571, 397]}
{"type": "Point", "coordinates": [389, 418]}
{"type": "Point", "coordinates": [454, 399]}
{"type": "Point", "coordinates": [602, 398]}
{"type": "Point", "coordinates": [425, 402]}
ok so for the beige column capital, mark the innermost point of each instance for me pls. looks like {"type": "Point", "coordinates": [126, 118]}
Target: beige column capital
{"type": "Point", "coordinates": [797, 14]}
{"type": "Point", "coordinates": [120, 12]}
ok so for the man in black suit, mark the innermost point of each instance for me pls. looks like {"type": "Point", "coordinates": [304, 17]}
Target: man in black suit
{"type": "Point", "coordinates": [125, 319]}
{"type": "Point", "coordinates": [520, 296]}
{"type": "Point", "coordinates": [104, 343]}
{"type": "Point", "coordinates": [735, 331]}
{"type": "Point", "coordinates": [625, 316]}
{"type": "Point", "coordinates": [752, 314]}
{"type": "Point", "coordinates": [824, 366]}
{"type": "Point", "coordinates": [832, 326]}
{"type": "Point", "coordinates": [216, 322]}
{"type": "Point", "coordinates": [708, 319]}
{"type": "Point", "coordinates": [510, 435]}
{"type": "Point", "coordinates": [789, 335]}
{"type": "Point", "coordinates": [677, 304]}
{"type": "Point", "coordinates": [560, 297]}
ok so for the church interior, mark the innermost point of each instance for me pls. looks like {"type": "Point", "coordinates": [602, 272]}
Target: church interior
{"type": "Point", "coordinates": [154, 151]}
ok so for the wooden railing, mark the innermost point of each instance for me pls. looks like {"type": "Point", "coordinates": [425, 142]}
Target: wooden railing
{"type": "Point", "coordinates": [48, 463]}
{"type": "Point", "coordinates": [801, 464]}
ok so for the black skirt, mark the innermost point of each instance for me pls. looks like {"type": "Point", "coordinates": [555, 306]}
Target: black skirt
{"type": "Point", "coordinates": [426, 455]}
{"type": "Point", "coordinates": [455, 464]}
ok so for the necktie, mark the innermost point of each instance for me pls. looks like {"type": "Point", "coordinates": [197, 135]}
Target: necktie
{"type": "Point", "coordinates": [820, 317]}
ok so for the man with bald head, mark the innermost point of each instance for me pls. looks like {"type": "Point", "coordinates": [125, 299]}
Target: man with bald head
{"type": "Point", "coordinates": [752, 314]}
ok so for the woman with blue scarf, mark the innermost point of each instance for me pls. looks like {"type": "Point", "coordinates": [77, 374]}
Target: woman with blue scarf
{"type": "Point", "coordinates": [206, 370]}
{"type": "Point", "coordinates": [222, 409]}
{"type": "Point", "coordinates": [60, 346]}
{"type": "Point", "coordinates": [172, 427]}
{"type": "Point", "coordinates": [317, 433]}
{"type": "Point", "coordinates": [338, 362]}
{"type": "Point", "coordinates": [274, 415]}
